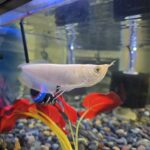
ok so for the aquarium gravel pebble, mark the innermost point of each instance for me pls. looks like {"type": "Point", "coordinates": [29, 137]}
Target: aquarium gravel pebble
{"type": "Point", "coordinates": [106, 132]}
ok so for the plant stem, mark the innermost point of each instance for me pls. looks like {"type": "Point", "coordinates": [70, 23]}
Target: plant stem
{"type": "Point", "coordinates": [77, 129]}
{"type": "Point", "coordinates": [72, 133]}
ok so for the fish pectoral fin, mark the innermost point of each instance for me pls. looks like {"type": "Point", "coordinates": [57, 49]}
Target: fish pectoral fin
{"type": "Point", "coordinates": [58, 92]}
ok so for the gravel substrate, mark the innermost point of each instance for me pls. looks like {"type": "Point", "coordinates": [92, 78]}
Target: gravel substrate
{"type": "Point", "coordinates": [106, 132]}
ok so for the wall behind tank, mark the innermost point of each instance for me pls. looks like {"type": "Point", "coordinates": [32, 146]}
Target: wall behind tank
{"type": "Point", "coordinates": [46, 43]}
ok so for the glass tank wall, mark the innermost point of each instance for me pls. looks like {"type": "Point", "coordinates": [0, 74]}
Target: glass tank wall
{"type": "Point", "coordinates": [110, 115]}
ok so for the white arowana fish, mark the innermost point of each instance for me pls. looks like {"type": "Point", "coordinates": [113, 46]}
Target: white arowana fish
{"type": "Point", "coordinates": [48, 77]}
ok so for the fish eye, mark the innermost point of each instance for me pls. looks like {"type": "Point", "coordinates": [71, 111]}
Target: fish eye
{"type": "Point", "coordinates": [97, 70]}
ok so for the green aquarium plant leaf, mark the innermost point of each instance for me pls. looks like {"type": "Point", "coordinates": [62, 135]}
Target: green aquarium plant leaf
{"type": "Point", "coordinates": [72, 133]}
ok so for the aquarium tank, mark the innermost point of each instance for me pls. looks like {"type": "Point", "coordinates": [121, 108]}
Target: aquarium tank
{"type": "Point", "coordinates": [74, 75]}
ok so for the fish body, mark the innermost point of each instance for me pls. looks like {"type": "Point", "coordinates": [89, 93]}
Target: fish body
{"type": "Point", "coordinates": [47, 77]}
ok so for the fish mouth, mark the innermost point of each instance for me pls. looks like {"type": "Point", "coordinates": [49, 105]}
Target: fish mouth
{"type": "Point", "coordinates": [112, 63]}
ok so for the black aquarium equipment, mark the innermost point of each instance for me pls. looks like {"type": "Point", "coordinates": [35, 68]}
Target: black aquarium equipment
{"type": "Point", "coordinates": [126, 8]}
{"type": "Point", "coordinates": [7, 5]}
{"type": "Point", "coordinates": [133, 89]}
{"type": "Point", "coordinates": [75, 12]}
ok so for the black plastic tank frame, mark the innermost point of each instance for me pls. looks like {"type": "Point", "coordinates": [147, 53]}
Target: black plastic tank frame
{"type": "Point", "coordinates": [24, 41]}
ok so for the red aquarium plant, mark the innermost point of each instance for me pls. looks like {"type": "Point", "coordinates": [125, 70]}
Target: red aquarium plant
{"type": "Point", "coordinates": [48, 114]}
{"type": "Point", "coordinates": [11, 113]}
{"type": "Point", "coordinates": [51, 115]}
{"type": "Point", "coordinates": [95, 103]}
